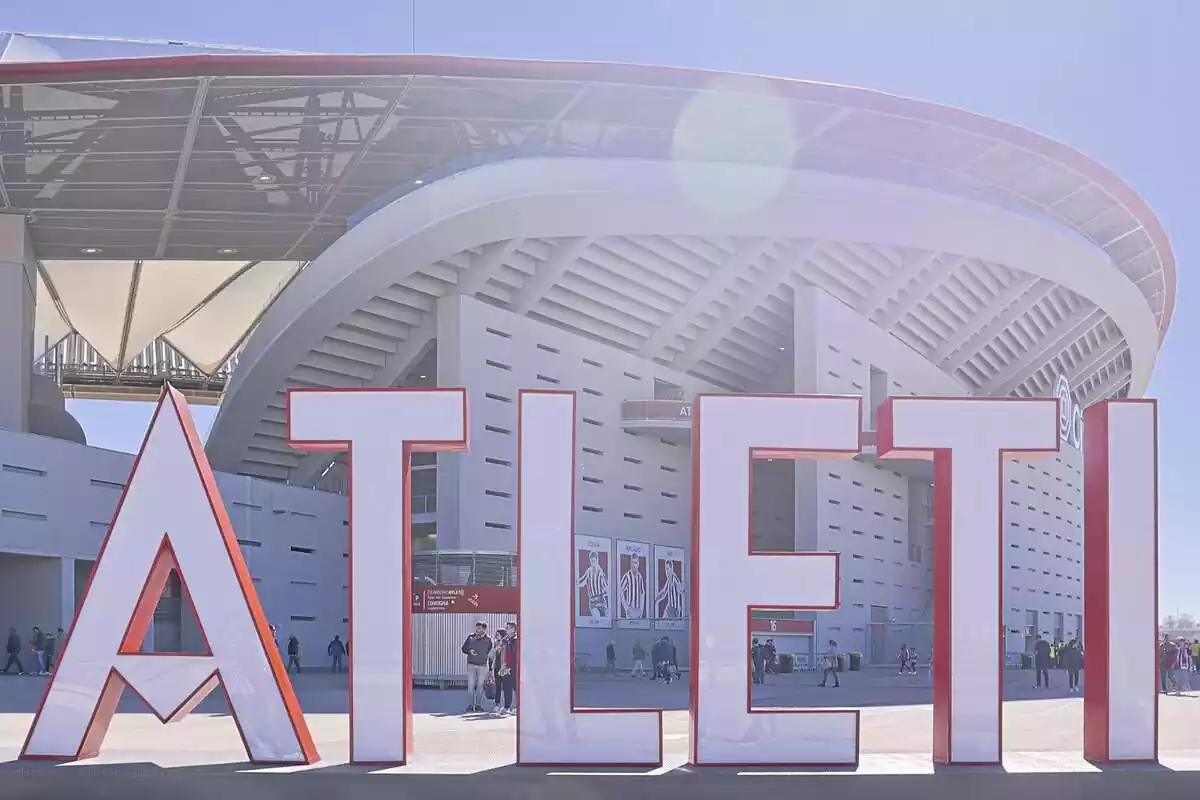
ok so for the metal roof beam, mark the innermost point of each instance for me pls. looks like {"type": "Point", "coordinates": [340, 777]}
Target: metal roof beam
{"type": "Point", "coordinates": [181, 168]}
{"type": "Point", "coordinates": [397, 367]}
{"type": "Point", "coordinates": [983, 317]}
{"type": "Point", "coordinates": [1103, 354]}
{"type": "Point", "coordinates": [1110, 387]}
{"type": "Point", "coordinates": [776, 273]}
{"type": "Point", "coordinates": [1074, 326]}
{"type": "Point", "coordinates": [926, 283]}
{"type": "Point", "coordinates": [733, 267]}
{"type": "Point", "coordinates": [896, 281]}
{"type": "Point", "coordinates": [549, 273]}
{"type": "Point", "coordinates": [1014, 311]}
{"type": "Point", "coordinates": [484, 265]}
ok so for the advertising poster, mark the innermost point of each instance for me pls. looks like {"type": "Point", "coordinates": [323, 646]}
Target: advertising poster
{"type": "Point", "coordinates": [593, 589]}
{"type": "Point", "coordinates": [670, 602]}
{"type": "Point", "coordinates": [633, 585]}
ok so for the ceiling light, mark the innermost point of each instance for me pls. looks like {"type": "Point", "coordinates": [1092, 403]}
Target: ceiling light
{"type": "Point", "coordinates": [419, 182]}
{"type": "Point", "coordinates": [227, 251]}
{"type": "Point", "coordinates": [783, 348]}
{"type": "Point", "coordinates": [264, 178]}
{"type": "Point", "coordinates": [90, 251]}
{"type": "Point", "coordinates": [422, 377]}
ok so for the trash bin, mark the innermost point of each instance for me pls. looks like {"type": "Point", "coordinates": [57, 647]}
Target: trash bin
{"type": "Point", "coordinates": [843, 660]}
{"type": "Point", "coordinates": [1026, 661]}
{"type": "Point", "coordinates": [855, 662]}
{"type": "Point", "coordinates": [785, 663]}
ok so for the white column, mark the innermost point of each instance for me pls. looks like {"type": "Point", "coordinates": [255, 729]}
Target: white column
{"type": "Point", "coordinates": [17, 301]}
{"type": "Point", "coordinates": [66, 593]}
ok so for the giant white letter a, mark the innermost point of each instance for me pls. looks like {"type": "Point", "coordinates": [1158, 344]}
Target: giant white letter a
{"type": "Point", "coordinates": [170, 515]}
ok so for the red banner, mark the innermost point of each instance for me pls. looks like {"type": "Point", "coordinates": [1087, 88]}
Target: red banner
{"type": "Point", "coordinates": [782, 626]}
{"type": "Point", "coordinates": [466, 600]}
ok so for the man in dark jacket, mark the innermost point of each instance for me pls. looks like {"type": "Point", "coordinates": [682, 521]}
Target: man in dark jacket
{"type": "Point", "coordinates": [336, 651]}
{"type": "Point", "coordinates": [51, 651]}
{"type": "Point", "coordinates": [1072, 661]}
{"type": "Point", "coordinates": [13, 649]}
{"type": "Point", "coordinates": [476, 649]}
{"type": "Point", "coordinates": [37, 643]}
{"type": "Point", "coordinates": [659, 659]}
{"type": "Point", "coordinates": [293, 650]}
{"type": "Point", "coordinates": [1041, 661]}
{"type": "Point", "coordinates": [758, 658]}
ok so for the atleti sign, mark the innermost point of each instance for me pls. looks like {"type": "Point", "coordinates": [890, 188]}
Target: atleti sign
{"type": "Point", "coordinates": [171, 516]}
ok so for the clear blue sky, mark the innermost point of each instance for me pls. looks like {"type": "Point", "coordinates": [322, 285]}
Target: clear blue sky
{"type": "Point", "coordinates": [1113, 78]}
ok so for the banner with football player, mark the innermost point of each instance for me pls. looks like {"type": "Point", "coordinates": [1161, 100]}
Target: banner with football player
{"type": "Point", "coordinates": [633, 585]}
{"type": "Point", "coordinates": [593, 589]}
{"type": "Point", "coordinates": [669, 605]}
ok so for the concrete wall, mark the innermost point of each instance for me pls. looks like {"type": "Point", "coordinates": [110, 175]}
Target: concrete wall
{"type": "Point", "coordinates": [57, 499]}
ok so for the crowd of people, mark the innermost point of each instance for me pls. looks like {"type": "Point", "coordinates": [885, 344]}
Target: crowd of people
{"type": "Point", "coordinates": [1177, 658]}
{"type": "Point", "coordinates": [42, 646]}
{"type": "Point", "coordinates": [492, 668]}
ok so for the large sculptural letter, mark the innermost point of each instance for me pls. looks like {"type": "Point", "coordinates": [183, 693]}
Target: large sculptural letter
{"type": "Point", "coordinates": [170, 516]}
{"type": "Point", "coordinates": [968, 439]}
{"type": "Point", "coordinates": [728, 580]}
{"type": "Point", "coordinates": [1120, 607]}
{"type": "Point", "coordinates": [379, 429]}
{"type": "Point", "coordinates": [550, 730]}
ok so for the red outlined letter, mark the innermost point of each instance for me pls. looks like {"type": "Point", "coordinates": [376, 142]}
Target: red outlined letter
{"type": "Point", "coordinates": [968, 439]}
{"type": "Point", "coordinates": [551, 731]}
{"type": "Point", "coordinates": [1120, 604]}
{"type": "Point", "coordinates": [728, 580]}
{"type": "Point", "coordinates": [379, 429]}
{"type": "Point", "coordinates": [170, 515]}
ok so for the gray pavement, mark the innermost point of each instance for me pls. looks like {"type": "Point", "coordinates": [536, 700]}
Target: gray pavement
{"type": "Point", "coordinates": [1042, 735]}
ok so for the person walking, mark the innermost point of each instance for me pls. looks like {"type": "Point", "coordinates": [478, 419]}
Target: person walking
{"type": "Point", "coordinates": [476, 648]}
{"type": "Point", "coordinates": [1195, 653]}
{"type": "Point", "coordinates": [513, 658]}
{"type": "Point", "coordinates": [1183, 678]}
{"type": "Point", "coordinates": [672, 660]}
{"type": "Point", "coordinates": [13, 648]}
{"type": "Point", "coordinates": [904, 656]}
{"type": "Point", "coordinates": [772, 655]}
{"type": "Point", "coordinates": [610, 659]}
{"type": "Point", "coordinates": [37, 643]}
{"type": "Point", "coordinates": [639, 660]}
{"type": "Point", "coordinates": [1072, 661]}
{"type": "Point", "coordinates": [832, 663]}
{"type": "Point", "coordinates": [1041, 662]}
{"type": "Point", "coordinates": [758, 661]}
{"type": "Point", "coordinates": [336, 651]}
{"type": "Point", "coordinates": [293, 653]}
{"type": "Point", "coordinates": [51, 651]}
{"type": "Point", "coordinates": [657, 658]}
{"type": "Point", "coordinates": [503, 657]}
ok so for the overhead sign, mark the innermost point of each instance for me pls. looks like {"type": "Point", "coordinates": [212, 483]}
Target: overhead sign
{"type": "Point", "coordinates": [1070, 415]}
{"type": "Point", "coordinates": [466, 600]}
{"type": "Point", "coordinates": [171, 517]}
{"type": "Point", "coordinates": [784, 627]}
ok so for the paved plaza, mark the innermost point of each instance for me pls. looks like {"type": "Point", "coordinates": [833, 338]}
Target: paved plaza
{"type": "Point", "coordinates": [1042, 729]}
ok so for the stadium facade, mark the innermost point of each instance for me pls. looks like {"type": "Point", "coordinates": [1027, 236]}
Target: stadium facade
{"type": "Point", "coordinates": [242, 223]}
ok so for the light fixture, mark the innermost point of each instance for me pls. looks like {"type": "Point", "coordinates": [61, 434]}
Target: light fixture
{"type": "Point", "coordinates": [783, 348]}
{"type": "Point", "coordinates": [422, 377]}
{"type": "Point", "coordinates": [90, 251]}
{"type": "Point", "coordinates": [227, 251]}
{"type": "Point", "coordinates": [419, 182]}
{"type": "Point", "coordinates": [264, 178]}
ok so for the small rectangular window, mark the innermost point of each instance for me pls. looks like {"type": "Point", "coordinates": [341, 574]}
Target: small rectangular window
{"type": "Point", "coordinates": [631, 515]}
{"type": "Point", "coordinates": [631, 376]}
{"type": "Point", "coordinates": [499, 462]}
{"type": "Point", "coordinates": [548, 379]}
{"type": "Point", "coordinates": [37, 473]}
{"type": "Point", "coordinates": [633, 460]}
{"type": "Point", "coordinates": [251, 506]}
{"type": "Point", "coordinates": [496, 493]}
{"type": "Point", "coordinates": [22, 515]}
{"type": "Point", "coordinates": [590, 479]}
{"type": "Point", "coordinates": [501, 334]}
{"type": "Point", "coordinates": [302, 618]}
{"type": "Point", "coordinates": [835, 476]}
{"type": "Point", "coordinates": [632, 488]}
{"type": "Point", "coordinates": [497, 429]}
{"type": "Point", "coordinates": [497, 397]}
{"type": "Point", "coordinates": [590, 421]}
{"type": "Point", "coordinates": [593, 509]}
{"type": "Point", "coordinates": [665, 521]}
{"type": "Point", "coordinates": [303, 583]}
{"type": "Point", "coordinates": [106, 484]}
{"type": "Point", "coordinates": [669, 495]}
{"type": "Point", "coordinates": [665, 468]}
{"type": "Point", "coordinates": [308, 551]}
{"type": "Point", "coordinates": [503, 526]}
{"type": "Point", "coordinates": [856, 483]}
{"type": "Point", "coordinates": [499, 365]}
{"type": "Point", "coordinates": [593, 392]}
{"type": "Point", "coordinates": [592, 363]}
{"type": "Point", "coordinates": [547, 348]}
{"type": "Point", "coordinates": [591, 451]}
{"type": "Point", "coordinates": [251, 543]}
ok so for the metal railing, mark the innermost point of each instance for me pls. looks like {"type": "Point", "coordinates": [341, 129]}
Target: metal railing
{"type": "Point", "coordinates": [464, 568]}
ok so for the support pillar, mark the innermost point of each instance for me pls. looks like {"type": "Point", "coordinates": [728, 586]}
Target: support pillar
{"type": "Point", "coordinates": [66, 593]}
{"type": "Point", "coordinates": [18, 296]}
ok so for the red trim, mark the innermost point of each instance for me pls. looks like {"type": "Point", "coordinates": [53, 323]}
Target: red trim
{"type": "Point", "coordinates": [143, 612]}
{"type": "Point", "coordinates": [761, 453]}
{"type": "Point", "coordinates": [942, 535]}
{"type": "Point", "coordinates": [521, 641]}
{"type": "Point", "coordinates": [409, 447]}
{"type": "Point", "coordinates": [1097, 581]}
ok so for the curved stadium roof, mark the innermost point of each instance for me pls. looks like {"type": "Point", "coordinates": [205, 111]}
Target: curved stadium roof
{"type": "Point", "coordinates": [263, 161]}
